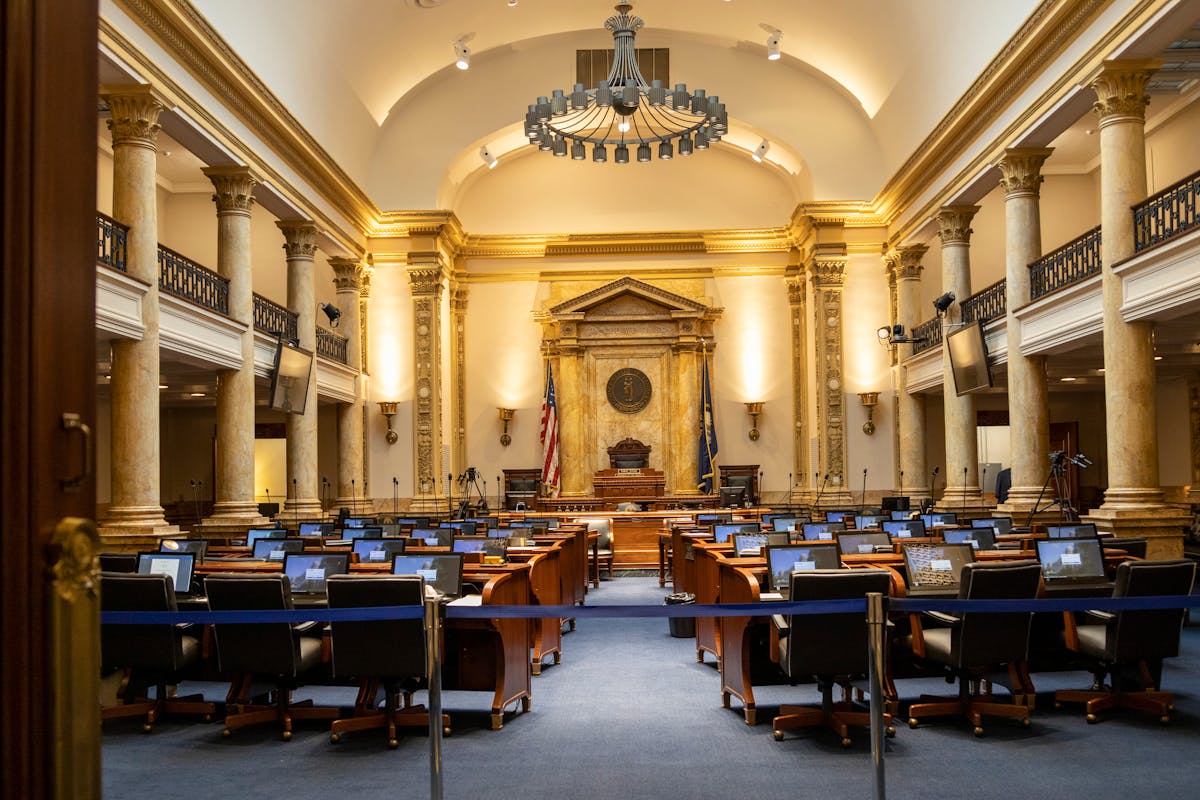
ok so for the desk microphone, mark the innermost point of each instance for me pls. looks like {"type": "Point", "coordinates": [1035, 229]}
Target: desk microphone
{"type": "Point", "coordinates": [821, 491]}
{"type": "Point", "coordinates": [863, 502]}
{"type": "Point", "coordinates": [901, 482]}
{"type": "Point", "coordinates": [933, 482]}
{"type": "Point", "coordinates": [964, 491]}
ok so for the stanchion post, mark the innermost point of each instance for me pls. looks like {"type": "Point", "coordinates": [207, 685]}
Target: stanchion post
{"type": "Point", "coordinates": [433, 660]}
{"type": "Point", "coordinates": [876, 622]}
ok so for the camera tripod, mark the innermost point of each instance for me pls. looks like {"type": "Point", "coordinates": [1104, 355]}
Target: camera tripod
{"type": "Point", "coordinates": [474, 497]}
{"type": "Point", "coordinates": [1058, 474]}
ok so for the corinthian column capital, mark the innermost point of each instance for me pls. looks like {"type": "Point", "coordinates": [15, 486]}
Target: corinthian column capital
{"type": "Point", "coordinates": [1120, 88]}
{"type": "Point", "coordinates": [954, 224]}
{"type": "Point", "coordinates": [234, 189]}
{"type": "Point", "coordinates": [1021, 170]}
{"type": "Point", "coordinates": [908, 261]}
{"type": "Point", "coordinates": [347, 273]}
{"type": "Point", "coordinates": [300, 238]}
{"type": "Point", "coordinates": [134, 110]}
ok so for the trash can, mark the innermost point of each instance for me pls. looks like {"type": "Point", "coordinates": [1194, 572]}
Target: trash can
{"type": "Point", "coordinates": [682, 627]}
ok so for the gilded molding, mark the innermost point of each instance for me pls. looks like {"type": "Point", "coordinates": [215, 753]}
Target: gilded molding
{"type": "Point", "coordinates": [797, 299]}
{"type": "Point", "coordinates": [426, 280]}
{"type": "Point", "coordinates": [827, 323]}
{"type": "Point", "coordinates": [634, 286]}
{"type": "Point", "coordinates": [1121, 90]}
{"type": "Point", "coordinates": [234, 189]}
{"type": "Point", "coordinates": [909, 266]}
{"type": "Point", "coordinates": [828, 272]}
{"type": "Point", "coordinates": [134, 110]}
{"type": "Point", "coordinates": [300, 237]}
{"type": "Point", "coordinates": [954, 224]}
{"type": "Point", "coordinates": [1021, 170]}
{"type": "Point", "coordinates": [724, 241]}
{"type": "Point", "coordinates": [347, 274]}
{"type": "Point", "coordinates": [458, 376]}
{"type": "Point", "coordinates": [427, 385]}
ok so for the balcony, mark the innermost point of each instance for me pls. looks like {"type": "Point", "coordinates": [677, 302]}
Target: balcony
{"type": "Point", "coordinates": [331, 346]}
{"type": "Point", "coordinates": [275, 320]}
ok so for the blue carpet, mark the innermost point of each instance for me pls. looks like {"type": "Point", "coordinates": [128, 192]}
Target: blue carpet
{"type": "Point", "coordinates": [630, 714]}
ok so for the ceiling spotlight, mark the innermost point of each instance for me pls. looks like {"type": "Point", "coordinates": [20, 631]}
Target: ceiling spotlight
{"type": "Point", "coordinates": [462, 53]}
{"type": "Point", "coordinates": [512, 3]}
{"type": "Point", "coordinates": [333, 312]}
{"type": "Point", "coordinates": [487, 157]}
{"type": "Point", "coordinates": [760, 152]}
{"type": "Point", "coordinates": [943, 302]}
{"type": "Point", "coordinates": [773, 37]}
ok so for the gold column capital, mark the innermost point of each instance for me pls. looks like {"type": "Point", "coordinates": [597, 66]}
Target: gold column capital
{"type": "Point", "coordinates": [300, 237]}
{"type": "Point", "coordinates": [908, 261]}
{"type": "Point", "coordinates": [134, 110]}
{"type": "Point", "coordinates": [1120, 88]}
{"type": "Point", "coordinates": [1021, 170]}
{"type": "Point", "coordinates": [954, 224]}
{"type": "Point", "coordinates": [426, 280]}
{"type": "Point", "coordinates": [234, 187]}
{"type": "Point", "coordinates": [347, 273]}
{"type": "Point", "coordinates": [829, 273]}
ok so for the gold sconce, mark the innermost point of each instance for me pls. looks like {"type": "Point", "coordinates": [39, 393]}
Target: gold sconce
{"type": "Point", "coordinates": [388, 408]}
{"type": "Point", "coordinates": [869, 400]}
{"type": "Point", "coordinates": [754, 409]}
{"type": "Point", "coordinates": [506, 415]}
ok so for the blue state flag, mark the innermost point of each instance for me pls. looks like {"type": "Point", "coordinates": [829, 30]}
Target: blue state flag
{"type": "Point", "coordinates": [707, 464]}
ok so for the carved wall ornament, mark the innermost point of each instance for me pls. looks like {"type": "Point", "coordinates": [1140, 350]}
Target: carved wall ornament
{"type": "Point", "coordinates": [628, 390]}
{"type": "Point", "coordinates": [909, 266]}
{"type": "Point", "coordinates": [1021, 170]}
{"type": "Point", "coordinates": [73, 559]}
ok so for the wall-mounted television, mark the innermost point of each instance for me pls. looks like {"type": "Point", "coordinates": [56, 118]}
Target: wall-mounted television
{"type": "Point", "coordinates": [289, 378]}
{"type": "Point", "coordinates": [968, 359]}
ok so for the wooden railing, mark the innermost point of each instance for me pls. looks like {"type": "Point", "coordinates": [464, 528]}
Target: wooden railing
{"type": "Point", "coordinates": [331, 346]}
{"type": "Point", "coordinates": [1166, 214]}
{"type": "Point", "coordinates": [274, 319]}
{"type": "Point", "coordinates": [110, 242]}
{"type": "Point", "coordinates": [986, 304]}
{"type": "Point", "coordinates": [1075, 261]}
{"type": "Point", "coordinates": [178, 275]}
{"type": "Point", "coordinates": [931, 332]}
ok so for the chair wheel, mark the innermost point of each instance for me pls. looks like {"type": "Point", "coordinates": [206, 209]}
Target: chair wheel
{"type": "Point", "coordinates": [334, 738]}
{"type": "Point", "coordinates": [978, 731]}
{"type": "Point", "coordinates": [778, 735]}
{"type": "Point", "coordinates": [846, 742]}
{"type": "Point", "coordinates": [147, 727]}
{"type": "Point", "coordinates": [1025, 723]}
{"type": "Point", "coordinates": [286, 736]}
{"type": "Point", "coordinates": [1091, 718]}
{"type": "Point", "coordinates": [912, 722]}
{"type": "Point", "coordinates": [393, 743]}
{"type": "Point", "coordinates": [227, 732]}
{"type": "Point", "coordinates": [890, 731]}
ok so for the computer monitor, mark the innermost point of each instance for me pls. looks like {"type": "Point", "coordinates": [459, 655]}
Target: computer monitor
{"type": "Point", "coordinates": [723, 531]}
{"type": "Point", "coordinates": [978, 538]}
{"type": "Point", "coordinates": [822, 531]}
{"type": "Point", "coordinates": [940, 519]}
{"type": "Point", "coordinates": [863, 521]}
{"type": "Point", "coordinates": [1001, 525]}
{"type": "Point", "coordinates": [782, 560]}
{"type": "Point", "coordinates": [751, 544]}
{"type": "Point", "coordinates": [1077, 530]}
{"type": "Point", "coordinates": [901, 515]}
{"type": "Point", "coordinates": [316, 529]}
{"type": "Point", "coordinates": [306, 572]}
{"type": "Point", "coordinates": [442, 571]}
{"type": "Point", "coordinates": [935, 566]}
{"type": "Point", "coordinates": [1080, 559]}
{"type": "Point", "coordinates": [377, 551]}
{"type": "Point", "coordinates": [414, 522]}
{"type": "Point", "coordinates": [894, 503]}
{"type": "Point", "coordinates": [469, 544]}
{"type": "Point", "coordinates": [275, 549]}
{"type": "Point", "coordinates": [463, 526]}
{"type": "Point", "coordinates": [838, 515]}
{"type": "Point", "coordinates": [198, 547]}
{"type": "Point", "coordinates": [502, 532]}
{"type": "Point", "coordinates": [713, 519]}
{"type": "Point", "coordinates": [485, 522]}
{"type": "Point", "coordinates": [733, 496]}
{"type": "Point", "coordinates": [786, 523]}
{"type": "Point", "coordinates": [357, 522]}
{"type": "Point", "coordinates": [861, 544]}
{"type": "Point", "coordinates": [254, 534]}
{"type": "Point", "coordinates": [435, 537]}
{"type": "Point", "coordinates": [904, 528]}
{"type": "Point", "coordinates": [177, 566]}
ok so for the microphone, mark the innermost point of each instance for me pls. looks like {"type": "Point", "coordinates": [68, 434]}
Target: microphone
{"type": "Point", "coordinates": [964, 495]}
{"type": "Point", "coordinates": [933, 482]}
{"type": "Point", "coordinates": [983, 480]}
{"type": "Point", "coordinates": [901, 482]}
{"type": "Point", "coordinates": [353, 496]}
{"type": "Point", "coordinates": [863, 502]}
{"type": "Point", "coordinates": [821, 491]}
{"type": "Point", "coordinates": [395, 491]}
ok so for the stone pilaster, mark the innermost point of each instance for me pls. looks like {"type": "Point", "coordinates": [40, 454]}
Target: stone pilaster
{"type": "Point", "coordinates": [801, 490]}
{"type": "Point", "coordinates": [1133, 499]}
{"type": "Point", "coordinates": [962, 447]}
{"type": "Point", "coordinates": [1194, 427]}
{"type": "Point", "coordinates": [235, 506]}
{"type": "Point", "coordinates": [828, 276]}
{"type": "Point", "coordinates": [300, 248]}
{"type": "Point", "coordinates": [575, 479]}
{"type": "Point", "coordinates": [351, 487]}
{"type": "Point", "coordinates": [364, 304]}
{"type": "Point", "coordinates": [910, 408]}
{"type": "Point", "coordinates": [458, 376]}
{"type": "Point", "coordinates": [1028, 402]}
{"type": "Point", "coordinates": [426, 276]}
{"type": "Point", "coordinates": [135, 517]}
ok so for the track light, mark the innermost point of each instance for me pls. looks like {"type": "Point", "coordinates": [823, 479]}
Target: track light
{"type": "Point", "coordinates": [462, 53]}
{"type": "Point", "coordinates": [773, 37]}
{"type": "Point", "coordinates": [943, 302]}
{"type": "Point", "coordinates": [760, 152]}
{"type": "Point", "coordinates": [486, 156]}
{"type": "Point", "coordinates": [333, 312]}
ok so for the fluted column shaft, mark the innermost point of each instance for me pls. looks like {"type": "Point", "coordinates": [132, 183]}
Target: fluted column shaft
{"type": "Point", "coordinates": [234, 198]}
{"type": "Point", "coordinates": [910, 408]}
{"type": "Point", "coordinates": [426, 276]}
{"type": "Point", "coordinates": [962, 446]}
{"type": "Point", "coordinates": [300, 247]}
{"type": "Point", "coordinates": [351, 489]}
{"type": "Point", "coordinates": [1028, 402]}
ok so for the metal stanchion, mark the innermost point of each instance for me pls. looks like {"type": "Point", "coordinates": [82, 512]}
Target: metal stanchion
{"type": "Point", "coordinates": [433, 660]}
{"type": "Point", "coordinates": [875, 627]}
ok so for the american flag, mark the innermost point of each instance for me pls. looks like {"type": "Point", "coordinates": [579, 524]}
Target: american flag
{"type": "Point", "coordinates": [549, 437]}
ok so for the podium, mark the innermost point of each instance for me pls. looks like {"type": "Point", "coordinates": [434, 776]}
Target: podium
{"type": "Point", "coordinates": [629, 484]}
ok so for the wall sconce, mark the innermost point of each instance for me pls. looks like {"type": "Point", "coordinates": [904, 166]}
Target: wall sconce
{"type": "Point", "coordinates": [869, 400]}
{"type": "Point", "coordinates": [754, 409]}
{"type": "Point", "coordinates": [506, 415]}
{"type": "Point", "coordinates": [388, 408]}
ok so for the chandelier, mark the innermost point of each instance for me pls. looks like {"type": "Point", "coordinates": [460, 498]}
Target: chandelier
{"type": "Point", "coordinates": [625, 111]}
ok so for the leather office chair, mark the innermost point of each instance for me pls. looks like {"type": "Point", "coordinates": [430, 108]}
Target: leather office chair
{"type": "Point", "coordinates": [276, 650]}
{"type": "Point", "coordinates": [971, 645]}
{"type": "Point", "coordinates": [1113, 641]}
{"type": "Point", "coordinates": [149, 654]}
{"type": "Point", "coordinates": [831, 647]}
{"type": "Point", "coordinates": [602, 558]}
{"type": "Point", "coordinates": [387, 653]}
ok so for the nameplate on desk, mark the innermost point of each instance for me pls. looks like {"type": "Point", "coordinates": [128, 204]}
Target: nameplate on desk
{"type": "Point", "coordinates": [825, 536]}
{"type": "Point", "coordinates": [940, 565]}
{"type": "Point", "coordinates": [866, 549]}
{"type": "Point", "coordinates": [624, 471]}
{"type": "Point", "coordinates": [468, 600]}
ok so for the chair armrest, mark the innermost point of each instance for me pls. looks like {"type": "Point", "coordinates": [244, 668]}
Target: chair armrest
{"type": "Point", "coordinates": [781, 625]}
{"type": "Point", "coordinates": [1100, 617]}
{"type": "Point", "coordinates": [303, 628]}
{"type": "Point", "coordinates": [942, 618]}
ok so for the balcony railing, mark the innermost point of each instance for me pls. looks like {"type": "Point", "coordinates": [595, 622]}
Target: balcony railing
{"type": "Point", "coordinates": [274, 319]}
{"type": "Point", "coordinates": [986, 304]}
{"type": "Point", "coordinates": [180, 276]}
{"type": "Point", "coordinates": [331, 346]}
{"type": "Point", "coordinates": [931, 332]}
{"type": "Point", "coordinates": [1075, 261]}
{"type": "Point", "coordinates": [110, 242]}
{"type": "Point", "coordinates": [1168, 213]}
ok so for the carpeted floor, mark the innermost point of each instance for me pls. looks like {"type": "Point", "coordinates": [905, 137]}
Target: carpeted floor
{"type": "Point", "coordinates": [630, 714]}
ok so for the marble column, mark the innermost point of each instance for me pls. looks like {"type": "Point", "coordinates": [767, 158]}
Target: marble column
{"type": "Point", "coordinates": [426, 276]}
{"type": "Point", "coordinates": [1028, 402]}
{"type": "Point", "coordinates": [684, 427]}
{"type": "Point", "coordinates": [575, 470]}
{"type": "Point", "coordinates": [135, 517]}
{"type": "Point", "coordinates": [1133, 500]}
{"type": "Point", "coordinates": [351, 488]}
{"type": "Point", "coordinates": [910, 408]}
{"type": "Point", "coordinates": [801, 489]}
{"type": "Point", "coordinates": [962, 446]}
{"type": "Point", "coordinates": [300, 247]}
{"type": "Point", "coordinates": [235, 505]}
{"type": "Point", "coordinates": [828, 276]}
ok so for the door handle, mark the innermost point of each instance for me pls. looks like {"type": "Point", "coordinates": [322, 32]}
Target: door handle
{"type": "Point", "coordinates": [74, 422]}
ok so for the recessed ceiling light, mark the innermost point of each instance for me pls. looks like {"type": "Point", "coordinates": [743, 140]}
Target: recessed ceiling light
{"type": "Point", "coordinates": [196, 394]}
{"type": "Point", "coordinates": [1158, 358]}
{"type": "Point", "coordinates": [1068, 379]}
{"type": "Point", "coordinates": [163, 386]}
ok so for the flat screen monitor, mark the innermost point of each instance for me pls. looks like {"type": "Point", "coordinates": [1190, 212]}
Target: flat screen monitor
{"type": "Point", "coordinates": [377, 551]}
{"type": "Point", "coordinates": [1071, 559]}
{"type": "Point", "coordinates": [936, 566]}
{"type": "Point", "coordinates": [782, 560]}
{"type": "Point", "coordinates": [469, 544]}
{"type": "Point", "coordinates": [862, 544]}
{"type": "Point", "coordinates": [723, 531]}
{"type": "Point", "coordinates": [177, 566]}
{"type": "Point", "coordinates": [413, 522]}
{"type": "Point", "coordinates": [968, 359]}
{"type": "Point", "coordinates": [1077, 530]}
{"type": "Point", "coordinates": [1001, 525]}
{"type": "Point", "coordinates": [713, 519]}
{"type": "Point", "coordinates": [906, 514]}
{"type": "Point", "coordinates": [787, 523]}
{"type": "Point", "coordinates": [750, 544]}
{"type": "Point", "coordinates": [465, 527]}
{"type": "Point", "coordinates": [862, 521]}
{"type": "Point", "coordinates": [316, 529]}
{"type": "Point", "coordinates": [198, 547]}
{"type": "Point", "coordinates": [894, 503]}
{"type": "Point", "coordinates": [276, 549]}
{"type": "Point", "coordinates": [254, 534]}
{"type": "Point", "coordinates": [442, 571]}
{"type": "Point", "coordinates": [822, 531]}
{"type": "Point", "coordinates": [357, 522]}
{"type": "Point", "coordinates": [306, 572]}
{"type": "Point", "coordinates": [978, 538]}
{"type": "Point", "coordinates": [733, 496]}
{"type": "Point", "coordinates": [435, 537]}
{"type": "Point", "coordinates": [939, 520]}
{"type": "Point", "coordinates": [290, 378]}
{"type": "Point", "coordinates": [838, 515]}
{"type": "Point", "coordinates": [904, 528]}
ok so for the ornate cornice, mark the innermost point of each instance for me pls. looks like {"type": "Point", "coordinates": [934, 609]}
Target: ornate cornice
{"type": "Point", "coordinates": [234, 189]}
{"type": "Point", "coordinates": [1120, 90]}
{"type": "Point", "coordinates": [676, 302]}
{"type": "Point", "coordinates": [1021, 170]}
{"type": "Point", "coordinates": [134, 111]}
{"type": "Point", "coordinates": [954, 224]}
{"type": "Point", "coordinates": [300, 238]}
{"type": "Point", "coordinates": [747, 240]}
{"type": "Point", "coordinates": [347, 274]}
{"type": "Point", "coordinates": [908, 264]}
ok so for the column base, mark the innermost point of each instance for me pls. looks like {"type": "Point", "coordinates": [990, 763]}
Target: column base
{"type": "Point", "coordinates": [357, 506]}
{"type": "Point", "coordinates": [235, 512]}
{"type": "Point", "coordinates": [960, 499]}
{"type": "Point", "coordinates": [430, 504]}
{"type": "Point", "coordinates": [133, 528]}
{"type": "Point", "coordinates": [303, 509]}
{"type": "Point", "coordinates": [1161, 525]}
{"type": "Point", "coordinates": [836, 499]}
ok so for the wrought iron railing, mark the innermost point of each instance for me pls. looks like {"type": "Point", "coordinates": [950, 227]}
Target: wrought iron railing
{"type": "Point", "coordinates": [986, 304]}
{"type": "Point", "coordinates": [110, 242]}
{"type": "Point", "coordinates": [928, 334]}
{"type": "Point", "coordinates": [1168, 213]}
{"type": "Point", "coordinates": [274, 319]}
{"type": "Point", "coordinates": [331, 346]}
{"type": "Point", "coordinates": [180, 276]}
{"type": "Point", "coordinates": [1075, 261]}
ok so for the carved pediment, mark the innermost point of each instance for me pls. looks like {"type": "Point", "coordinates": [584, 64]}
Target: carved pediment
{"type": "Point", "coordinates": [628, 297]}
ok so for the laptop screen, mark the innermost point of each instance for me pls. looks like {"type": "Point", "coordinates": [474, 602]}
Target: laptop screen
{"type": "Point", "coordinates": [465, 527]}
{"type": "Point", "coordinates": [978, 538]}
{"type": "Point", "coordinates": [1000, 525]}
{"type": "Point", "coordinates": [862, 521]}
{"type": "Point", "coordinates": [366, 532]}
{"type": "Point", "coordinates": [853, 544]}
{"type": "Point", "coordinates": [837, 516]}
{"type": "Point", "coordinates": [712, 519]}
{"type": "Point", "coordinates": [442, 571]}
{"type": "Point", "coordinates": [936, 565]}
{"type": "Point", "coordinates": [723, 531]}
{"type": "Point", "coordinates": [377, 551]}
{"type": "Point", "coordinates": [749, 544]}
{"type": "Point", "coordinates": [434, 537]}
{"type": "Point", "coordinates": [316, 528]}
{"type": "Point", "coordinates": [1071, 559]}
{"type": "Point", "coordinates": [307, 571]}
{"type": "Point", "coordinates": [357, 522]}
{"type": "Point", "coordinates": [254, 534]}
{"type": "Point", "coordinates": [463, 544]}
{"type": "Point", "coordinates": [783, 559]}
{"type": "Point", "coordinates": [1074, 531]}
{"type": "Point", "coordinates": [197, 546]}
{"type": "Point", "coordinates": [904, 528]}
{"type": "Point", "coordinates": [786, 523]}
{"type": "Point", "coordinates": [176, 565]}
{"type": "Point", "coordinates": [822, 531]}
{"type": "Point", "coordinates": [938, 520]}
{"type": "Point", "coordinates": [275, 549]}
